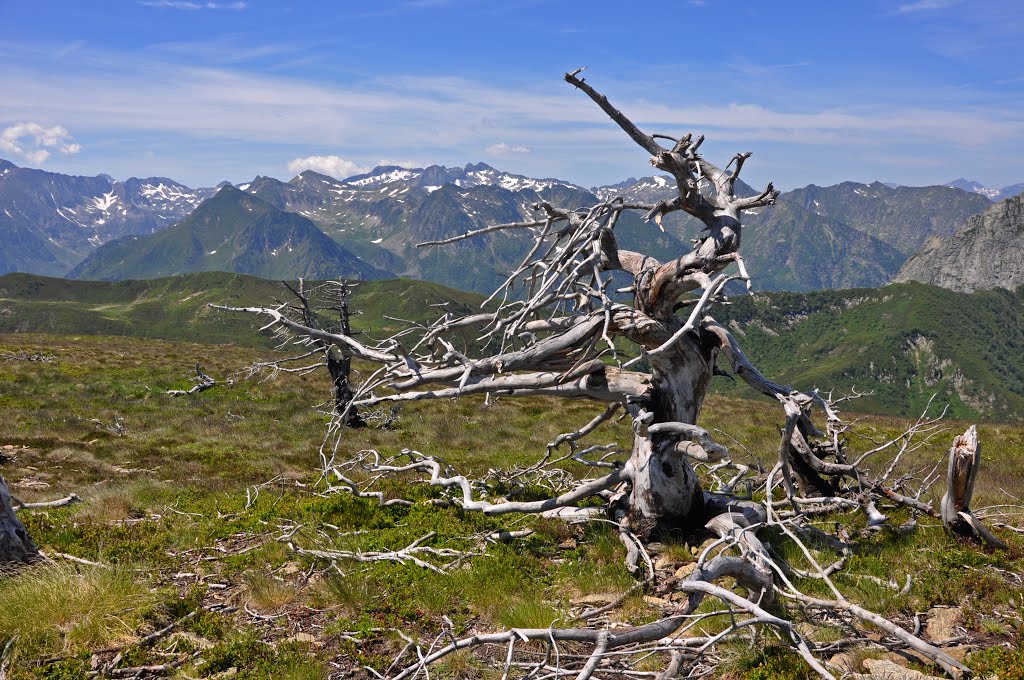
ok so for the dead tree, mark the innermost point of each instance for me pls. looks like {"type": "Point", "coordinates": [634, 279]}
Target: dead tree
{"type": "Point", "coordinates": [560, 323]}
{"type": "Point", "coordinates": [964, 463]}
{"type": "Point", "coordinates": [306, 310]}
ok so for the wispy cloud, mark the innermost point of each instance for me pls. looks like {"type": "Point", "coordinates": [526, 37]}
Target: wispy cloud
{"type": "Point", "coordinates": [243, 118]}
{"type": "Point", "coordinates": [407, 163]}
{"type": "Point", "coordinates": [70, 48]}
{"type": "Point", "coordinates": [503, 149]}
{"type": "Point", "coordinates": [335, 166]}
{"type": "Point", "coordinates": [35, 143]}
{"type": "Point", "coordinates": [190, 5]}
{"type": "Point", "coordinates": [925, 6]}
{"type": "Point", "coordinates": [435, 113]}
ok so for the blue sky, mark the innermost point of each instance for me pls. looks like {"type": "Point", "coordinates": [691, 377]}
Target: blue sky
{"type": "Point", "coordinates": [917, 92]}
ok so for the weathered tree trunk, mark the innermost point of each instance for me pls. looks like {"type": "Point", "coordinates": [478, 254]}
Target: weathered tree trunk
{"type": "Point", "coordinates": [339, 365]}
{"type": "Point", "coordinates": [964, 463]}
{"type": "Point", "coordinates": [666, 493]}
{"type": "Point", "coordinates": [15, 543]}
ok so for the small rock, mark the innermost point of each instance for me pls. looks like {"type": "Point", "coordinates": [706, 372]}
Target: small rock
{"type": "Point", "coordinates": [196, 640]}
{"type": "Point", "coordinates": [942, 623]}
{"type": "Point", "coordinates": [845, 662]}
{"type": "Point", "coordinates": [883, 668]}
{"type": "Point", "coordinates": [305, 638]}
{"type": "Point", "coordinates": [685, 570]}
{"type": "Point", "coordinates": [698, 549]}
{"type": "Point", "coordinates": [902, 656]}
{"type": "Point", "coordinates": [596, 598]}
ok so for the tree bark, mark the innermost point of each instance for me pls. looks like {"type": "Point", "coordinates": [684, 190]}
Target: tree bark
{"type": "Point", "coordinates": [666, 493]}
{"type": "Point", "coordinates": [15, 544]}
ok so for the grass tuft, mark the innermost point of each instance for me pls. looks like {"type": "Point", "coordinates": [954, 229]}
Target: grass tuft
{"type": "Point", "coordinates": [56, 609]}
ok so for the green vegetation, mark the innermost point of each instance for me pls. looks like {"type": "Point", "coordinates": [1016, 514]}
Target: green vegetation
{"type": "Point", "coordinates": [902, 343]}
{"type": "Point", "coordinates": [175, 308]}
{"type": "Point", "coordinates": [169, 489]}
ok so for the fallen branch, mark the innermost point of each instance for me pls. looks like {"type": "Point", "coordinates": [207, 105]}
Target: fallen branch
{"type": "Point", "coordinates": [202, 382]}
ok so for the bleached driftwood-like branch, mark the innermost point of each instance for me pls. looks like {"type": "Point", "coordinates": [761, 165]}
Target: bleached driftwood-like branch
{"type": "Point", "coordinates": [202, 382]}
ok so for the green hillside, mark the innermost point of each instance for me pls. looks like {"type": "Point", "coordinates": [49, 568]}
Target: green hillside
{"type": "Point", "coordinates": [903, 343]}
{"type": "Point", "coordinates": [175, 308]}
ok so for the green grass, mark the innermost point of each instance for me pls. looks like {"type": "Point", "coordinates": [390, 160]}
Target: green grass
{"type": "Point", "coordinates": [175, 308]}
{"type": "Point", "coordinates": [63, 610]}
{"type": "Point", "coordinates": [165, 496]}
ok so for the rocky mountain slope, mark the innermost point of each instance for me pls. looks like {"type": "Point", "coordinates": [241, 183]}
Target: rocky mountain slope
{"type": "Point", "coordinates": [785, 246]}
{"type": "Point", "coordinates": [50, 222]}
{"type": "Point", "coordinates": [901, 217]}
{"type": "Point", "coordinates": [986, 252]}
{"type": "Point", "coordinates": [848, 235]}
{"type": "Point", "coordinates": [383, 214]}
{"type": "Point", "coordinates": [233, 232]}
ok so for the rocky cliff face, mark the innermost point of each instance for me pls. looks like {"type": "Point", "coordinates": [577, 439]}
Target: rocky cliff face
{"type": "Point", "coordinates": [987, 252]}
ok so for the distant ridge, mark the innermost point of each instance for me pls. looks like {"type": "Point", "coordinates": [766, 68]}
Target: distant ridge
{"type": "Point", "coordinates": [901, 343]}
{"type": "Point", "coordinates": [994, 195]}
{"type": "Point", "coordinates": [176, 307]}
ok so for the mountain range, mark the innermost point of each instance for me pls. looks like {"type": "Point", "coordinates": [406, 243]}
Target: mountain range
{"type": "Point", "coordinates": [234, 232]}
{"type": "Point", "coordinates": [994, 195]}
{"type": "Point", "coordinates": [50, 222]}
{"type": "Point", "coordinates": [847, 235]}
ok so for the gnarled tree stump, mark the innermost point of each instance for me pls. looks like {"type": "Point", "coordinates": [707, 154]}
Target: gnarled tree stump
{"type": "Point", "coordinates": [15, 544]}
{"type": "Point", "coordinates": [964, 463]}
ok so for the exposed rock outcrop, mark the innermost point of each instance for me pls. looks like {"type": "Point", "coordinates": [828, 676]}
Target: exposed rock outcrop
{"type": "Point", "coordinates": [987, 252]}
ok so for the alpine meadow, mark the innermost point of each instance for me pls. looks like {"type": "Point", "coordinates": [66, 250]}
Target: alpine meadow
{"type": "Point", "coordinates": [737, 416]}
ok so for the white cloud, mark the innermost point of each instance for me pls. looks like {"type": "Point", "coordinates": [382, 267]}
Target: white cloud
{"type": "Point", "coordinates": [188, 4]}
{"type": "Point", "coordinates": [503, 149]}
{"type": "Point", "coordinates": [924, 6]}
{"type": "Point", "coordinates": [335, 166]}
{"type": "Point", "coordinates": [34, 142]}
